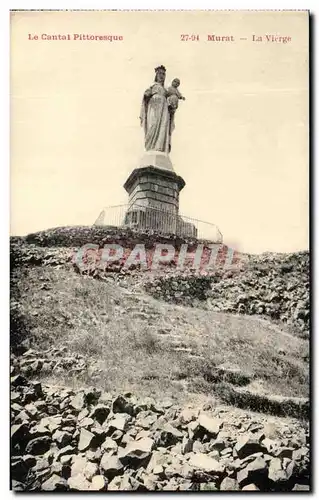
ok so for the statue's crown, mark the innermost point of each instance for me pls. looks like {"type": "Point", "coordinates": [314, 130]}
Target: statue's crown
{"type": "Point", "coordinates": [160, 67]}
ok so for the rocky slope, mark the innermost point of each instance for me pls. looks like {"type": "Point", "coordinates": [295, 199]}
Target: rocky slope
{"type": "Point", "coordinates": [273, 286]}
{"type": "Point", "coordinates": [126, 381]}
{"type": "Point", "coordinates": [85, 440]}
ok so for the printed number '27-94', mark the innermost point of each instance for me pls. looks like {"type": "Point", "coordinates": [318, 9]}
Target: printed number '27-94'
{"type": "Point", "coordinates": [189, 38]}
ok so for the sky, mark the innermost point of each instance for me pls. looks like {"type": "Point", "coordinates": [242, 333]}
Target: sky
{"type": "Point", "coordinates": [241, 139]}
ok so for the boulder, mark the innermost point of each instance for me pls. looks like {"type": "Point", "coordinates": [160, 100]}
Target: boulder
{"type": "Point", "coordinates": [109, 445]}
{"type": "Point", "coordinates": [67, 450]}
{"type": "Point", "coordinates": [250, 487]}
{"type": "Point", "coordinates": [41, 464]}
{"type": "Point", "coordinates": [19, 433]}
{"type": "Point", "coordinates": [169, 436]}
{"type": "Point", "coordinates": [55, 483]}
{"type": "Point", "coordinates": [100, 413]}
{"type": "Point", "coordinates": [17, 485]}
{"type": "Point", "coordinates": [284, 452]}
{"type": "Point", "coordinates": [276, 473]}
{"type": "Point", "coordinates": [255, 472]}
{"type": "Point", "coordinates": [120, 484]}
{"type": "Point", "coordinates": [91, 469]}
{"type": "Point", "coordinates": [229, 484]}
{"type": "Point", "coordinates": [122, 405]}
{"type": "Point", "coordinates": [187, 445]}
{"type": "Point", "coordinates": [78, 402]}
{"type": "Point", "coordinates": [209, 486]}
{"type": "Point", "coordinates": [94, 455]}
{"type": "Point", "coordinates": [78, 483]}
{"type": "Point", "coordinates": [52, 422]}
{"type": "Point", "coordinates": [188, 415]}
{"type": "Point", "coordinates": [301, 487]}
{"type": "Point", "coordinates": [86, 423]}
{"type": "Point", "coordinates": [205, 463]}
{"type": "Point", "coordinates": [18, 381]}
{"type": "Point", "coordinates": [111, 466]}
{"type": "Point", "coordinates": [210, 424]}
{"type": "Point", "coordinates": [62, 438]}
{"type": "Point", "coordinates": [98, 483]}
{"type": "Point", "coordinates": [158, 459]}
{"type": "Point", "coordinates": [119, 422]}
{"type": "Point", "coordinates": [78, 465]}
{"type": "Point", "coordinates": [91, 396]}
{"type": "Point", "coordinates": [19, 470]}
{"type": "Point", "coordinates": [38, 446]}
{"type": "Point", "coordinates": [247, 445]}
{"type": "Point", "coordinates": [146, 419]}
{"type": "Point", "coordinates": [86, 439]}
{"type": "Point", "coordinates": [136, 453]}
{"type": "Point", "coordinates": [66, 459]}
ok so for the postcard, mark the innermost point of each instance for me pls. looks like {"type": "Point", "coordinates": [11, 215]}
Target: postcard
{"type": "Point", "coordinates": [160, 311]}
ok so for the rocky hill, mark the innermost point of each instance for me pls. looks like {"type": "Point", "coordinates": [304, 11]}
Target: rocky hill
{"type": "Point", "coordinates": [130, 379]}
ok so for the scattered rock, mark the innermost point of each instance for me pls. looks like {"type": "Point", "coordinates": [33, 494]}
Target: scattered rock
{"type": "Point", "coordinates": [229, 484]}
{"type": "Point", "coordinates": [91, 469]}
{"type": "Point", "coordinates": [110, 445]}
{"type": "Point", "coordinates": [209, 424]}
{"type": "Point", "coordinates": [18, 381]}
{"type": "Point", "coordinates": [78, 483]}
{"type": "Point", "coordinates": [206, 463]}
{"type": "Point", "coordinates": [250, 487]}
{"type": "Point", "coordinates": [122, 405]}
{"type": "Point", "coordinates": [247, 445]}
{"type": "Point", "coordinates": [78, 402]}
{"type": "Point", "coordinates": [136, 452]}
{"type": "Point", "coordinates": [169, 436]}
{"type": "Point", "coordinates": [62, 438]}
{"type": "Point", "coordinates": [100, 413]}
{"type": "Point", "coordinates": [38, 446]}
{"type": "Point", "coordinates": [255, 472]}
{"type": "Point", "coordinates": [111, 466]}
{"type": "Point", "coordinates": [276, 472]}
{"type": "Point", "coordinates": [282, 294]}
{"type": "Point", "coordinates": [86, 439]}
{"type": "Point", "coordinates": [54, 483]}
{"type": "Point", "coordinates": [99, 483]}
{"type": "Point", "coordinates": [154, 447]}
{"type": "Point", "coordinates": [301, 487]}
{"type": "Point", "coordinates": [119, 422]}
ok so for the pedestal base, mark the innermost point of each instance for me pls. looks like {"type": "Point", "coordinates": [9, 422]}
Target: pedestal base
{"type": "Point", "coordinates": [154, 197]}
{"type": "Point", "coordinates": [154, 187]}
{"type": "Point", "coordinates": [156, 159]}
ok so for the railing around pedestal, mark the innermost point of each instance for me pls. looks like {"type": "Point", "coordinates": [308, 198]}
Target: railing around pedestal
{"type": "Point", "coordinates": [144, 218]}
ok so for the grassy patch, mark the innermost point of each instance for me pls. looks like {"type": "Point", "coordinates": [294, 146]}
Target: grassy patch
{"type": "Point", "coordinates": [129, 337]}
{"type": "Point", "coordinates": [263, 403]}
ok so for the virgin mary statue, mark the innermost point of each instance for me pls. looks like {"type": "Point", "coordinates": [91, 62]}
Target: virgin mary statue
{"type": "Point", "coordinates": [155, 117]}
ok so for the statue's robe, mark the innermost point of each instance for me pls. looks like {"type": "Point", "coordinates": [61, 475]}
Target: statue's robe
{"type": "Point", "coordinates": [156, 119]}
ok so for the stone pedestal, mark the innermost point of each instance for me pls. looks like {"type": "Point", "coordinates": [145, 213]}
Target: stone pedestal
{"type": "Point", "coordinates": [156, 159]}
{"type": "Point", "coordinates": [153, 191]}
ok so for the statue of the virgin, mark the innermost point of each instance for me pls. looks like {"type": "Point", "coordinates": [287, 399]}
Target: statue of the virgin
{"type": "Point", "coordinates": [156, 118]}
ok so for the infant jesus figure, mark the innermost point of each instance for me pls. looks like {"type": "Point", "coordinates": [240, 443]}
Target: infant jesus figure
{"type": "Point", "coordinates": [173, 95]}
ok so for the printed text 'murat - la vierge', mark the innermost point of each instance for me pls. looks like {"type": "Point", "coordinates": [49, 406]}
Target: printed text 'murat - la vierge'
{"type": "Point", "coordinates": [253, 38]}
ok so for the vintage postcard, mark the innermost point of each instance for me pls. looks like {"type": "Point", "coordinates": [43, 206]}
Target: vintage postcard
{"type": "Point", "coordinates": [159, 246]}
